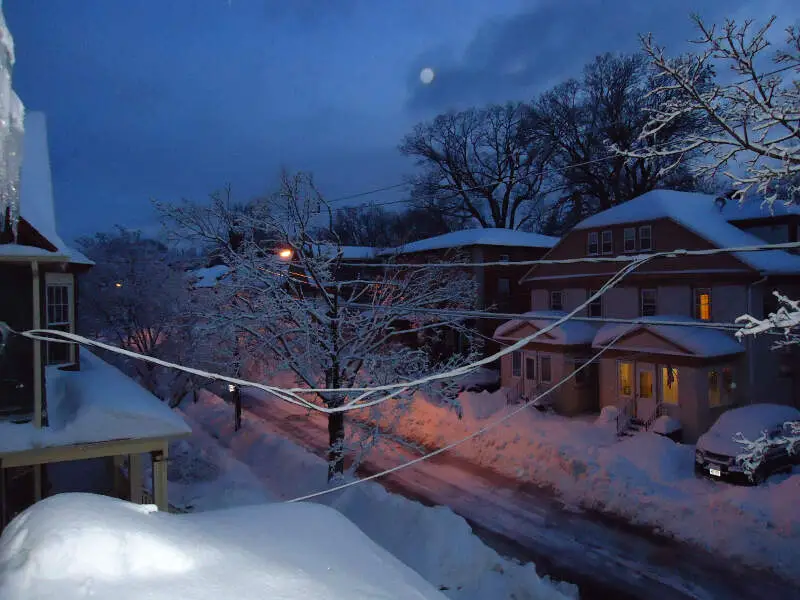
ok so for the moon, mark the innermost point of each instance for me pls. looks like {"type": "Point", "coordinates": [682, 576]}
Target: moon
{"type": "Point", "coordinates": [426, 75]}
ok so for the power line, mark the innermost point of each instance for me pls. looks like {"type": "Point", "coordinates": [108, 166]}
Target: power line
{"type": "Point", "coordinates": [466, 438]}
{"type": "Point", "coordinates": [619, 258]}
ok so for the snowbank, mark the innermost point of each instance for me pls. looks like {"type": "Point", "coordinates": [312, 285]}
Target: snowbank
{"type": "Point", "coordinates": [74, 546]}
{"type": "Point", "coordinates": [647, 479]}
{"type": "Point", "coordinates": [435, 542]}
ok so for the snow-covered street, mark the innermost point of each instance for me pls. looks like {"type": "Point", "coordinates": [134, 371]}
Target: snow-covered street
{"type": "Point", "coordinates": [525, 522]}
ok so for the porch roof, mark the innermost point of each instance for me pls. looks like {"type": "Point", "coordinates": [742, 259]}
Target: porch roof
{"type": "Point", "coordinates": [681, 339]}
{"type": "Point", "coordinates": [98, 404]}
{"type": "Point", "coordinates": [569, 333]}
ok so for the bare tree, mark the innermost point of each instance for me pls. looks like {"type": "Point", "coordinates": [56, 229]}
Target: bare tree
{"type": "Point", "coordinates": [372, 225]}
{"type": "Point", "coordinates": [751, 129]}
{"type": "Point", "coordinates": [581, 120]}
{"type": "Point", "coordinates": [477, 167]}
{"type": "Point", "coordinates": [314, 316]}
{"type": "Point", "coordinates": [137, 296]}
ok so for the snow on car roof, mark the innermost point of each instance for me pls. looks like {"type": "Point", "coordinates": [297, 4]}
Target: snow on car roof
{"type": "Point", "coordinates": [71, 546]}
{"type": "Point", "coordinates": [751, 420]}
{"type": "Point", "coordinates": [700, 214]}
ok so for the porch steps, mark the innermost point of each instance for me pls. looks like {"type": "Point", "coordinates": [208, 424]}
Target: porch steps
{"type": "Point", "coordinates": [634, 426]}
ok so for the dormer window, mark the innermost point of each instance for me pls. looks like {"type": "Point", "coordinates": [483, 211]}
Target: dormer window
{"type": "Point", "coordinates": [645, 238]}
{"type": "Point", "coordinates": [608, 242]}
{"type": "Point", "coordinates": [629, 239]}
{"type": "Point", "coordinates": [60, 315]}
{"type": "Point", "coordinates": [593, 245]}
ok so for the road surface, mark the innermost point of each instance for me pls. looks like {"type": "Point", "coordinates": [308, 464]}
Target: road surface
{"type": "Point", "coordinates": [605, 558]}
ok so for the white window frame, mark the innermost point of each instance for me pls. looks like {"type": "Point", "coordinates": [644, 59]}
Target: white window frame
{"type": "Point", "coordinates": [648, 237]}
{"type": "Point", "coordinates": [629, 235]}
{"type": "Point", "coordinates": [610, 242]}
{"type": "Point", "coordinates": [60, 280]}
{"type": "Point", "coordinates": [593, 239]}
{"type": "Point", "coordinates": [598, 302]}
{"type": "Point", "coordinates": [559, 294]}
{"type": "Point", "coordinates": [641, 301]}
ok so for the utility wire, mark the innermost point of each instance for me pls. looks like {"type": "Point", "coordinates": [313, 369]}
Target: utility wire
{"type": "Point", "coordinates": [466, 438]}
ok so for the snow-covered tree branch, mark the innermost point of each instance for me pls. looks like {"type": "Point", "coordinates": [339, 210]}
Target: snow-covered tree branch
{"type": "Point", "coordinates": [749, 122]}
{"type": "Point", "coordinates": [785, 320]}
{"type": "Point", "coordinates": [754, 452]}
{"type": "Point", "coordinates": [292, 303]}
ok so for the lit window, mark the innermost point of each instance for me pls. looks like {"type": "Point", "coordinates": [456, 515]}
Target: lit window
{"type": "Point", "coordinates": [545, 369]}
{"type": "Point", "coordinates": [608, 242]}
{"type": "Point", "coordinates": [629, 239]}
{"type": "Point", "coordinates": [648, 303]}
{"type": "Point", "coordinates": [625, 379]}
{"type": "Point", "coordinates": [645, 238]}
{"type": "Point", "coordinates": [702, 304]}
{"type": "Point", "coordinates": [557, 300]}
{"type": "Point", "coordinates": [593, 243]}
{"type": "Point", "coordinates": [595, 306]}
{"type": "Point", "coordinates": [516, 364]}
{"type": "Point", "coordinates": [669, 385]}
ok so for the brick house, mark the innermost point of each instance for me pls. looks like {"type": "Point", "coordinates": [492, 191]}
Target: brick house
{"type": "Point", "coordinates": [689, 373]}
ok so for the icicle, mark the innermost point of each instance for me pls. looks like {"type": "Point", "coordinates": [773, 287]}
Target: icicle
{"type": "Point", "coordinates": [9, 206]}
{"type": "Point", "coordinates": [14, 159]}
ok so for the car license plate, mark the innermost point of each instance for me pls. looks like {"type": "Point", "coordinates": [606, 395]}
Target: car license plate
{"type": "Point", "coordinates": [714, 472]}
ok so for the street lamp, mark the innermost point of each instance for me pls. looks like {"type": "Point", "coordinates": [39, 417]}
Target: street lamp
{"type": "Point", "coordinates": [118, 284]}
{"type": "Point", "coordinates": [285, 253]}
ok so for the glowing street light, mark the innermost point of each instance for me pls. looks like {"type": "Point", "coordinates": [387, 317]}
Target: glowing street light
{"type": "Point", "coordinates": [118, 284]}
{"type": "Point", "coordinates": [285, 254]}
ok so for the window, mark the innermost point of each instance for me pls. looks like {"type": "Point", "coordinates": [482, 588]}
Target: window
{"type": "Point", "coordinates": [648, 303]}
{"type": "Point", "coordinates": [645, 238]}
{"type": "Point", "coordinates": [720, 386]}
{"type": "Point", "coordinates": [545, 369]}
{"type": "Point", "coordinates": [504, 258]}
{"type": "Point", "coordinates": [516, 364]}
{"type": "Point", "coordinates": [629, 239]}
{"type": "Point", "coordinates": [608, 242]}
{"type": "Point", "coordinates": [557, 300]}
{"type": "Point", "coordinates": [593, 244]}
{"type": "Point", "coordinates": [530, 368]}
{"type": "Point", "coordinates": [503, 287]}
{"type": "Point", "coordinates": [595, 306]}
{"type": "Point", "coordinates": [625, 378]}
{"type": "Point", "coordinates": [702, 304]}
{"type": "Point", "coordinates": [669, 385]}
{"type": "Point", "coordinates": [59, 313]}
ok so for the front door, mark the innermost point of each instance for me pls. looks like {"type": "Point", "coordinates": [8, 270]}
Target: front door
{"type": "Point", "coordinates": [529, 382]}
{"type": "Point", "coordinates": [645, 390]}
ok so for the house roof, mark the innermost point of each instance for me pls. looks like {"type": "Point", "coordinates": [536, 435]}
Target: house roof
{"type": "Point", "coordinates": [696, 341]}
{"type": "Point", "coordinates": [99, 403]}
{"type": "Point", "coordinates": [479, 237]}
{"type": "Point", "coordinates": [756, 209]}
{"type": "Point", "coordinates": [700, 214]}
{"type": "Point", "coordinates": [208, 276]}
{"type": "Point", "coordinates": [36, 187]}
{"type": "Point", "coordinates": [569, 333]}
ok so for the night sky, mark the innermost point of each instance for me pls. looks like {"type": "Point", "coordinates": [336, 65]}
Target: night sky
{"type": "Point", "coordinates": [175, 98]}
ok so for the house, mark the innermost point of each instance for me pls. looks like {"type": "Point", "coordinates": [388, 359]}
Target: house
{"type": "Point", "coordinates": [499, 287]}
{"type": "Point", "coordinates": [68, 420]}
{"type": "Point", "coordinates": [670, 362]}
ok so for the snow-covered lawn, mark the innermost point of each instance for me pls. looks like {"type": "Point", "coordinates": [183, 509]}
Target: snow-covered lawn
{"type": "Point", "coordinates": [435, 542]}
{"type": "Point", "coordinates": [74, 546]}
{"type": "Point", "coordinates": [647, 479]}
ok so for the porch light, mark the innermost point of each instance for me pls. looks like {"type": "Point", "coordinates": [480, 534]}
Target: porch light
{"type": "Point", "coordinates": [285, 253]}
{"type": "Point", "coordinates": [231, 388]}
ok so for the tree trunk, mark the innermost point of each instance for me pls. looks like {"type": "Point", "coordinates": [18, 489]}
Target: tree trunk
{"type": "Point", "coordinates": [336, 440]}
{"type": "Point", "coordinates": [335, 420]}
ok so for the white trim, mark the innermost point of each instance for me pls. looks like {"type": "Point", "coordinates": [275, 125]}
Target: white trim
{"type": "Point", "coordinates": [38, 392]}
{"type": "Point", "coordinates": [625, 233]}
{"type": "Point", "coordinates": [66, 280]}
{"type": "Point", "coordinates": [589, 243]}
{"type": "Point", "coordinates": [649, 228]}
{"type": "Point", "coordinates": [610, 233]}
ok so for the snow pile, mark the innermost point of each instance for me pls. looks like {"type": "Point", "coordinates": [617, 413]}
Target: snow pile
{"type": "Point", "coordinates": [208, 276]}
{"type": "Point", "coordinates": [646, 479]}
{"type": "Point", "coordinates": [435, 542]}
{"type": "Point", "coordinates": [96, 404]}
{"type": "Point", "coordinates": [74, 546]}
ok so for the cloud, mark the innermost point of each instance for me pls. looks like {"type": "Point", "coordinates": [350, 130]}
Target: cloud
{"type": "Point", "coordinates": [513, 57]}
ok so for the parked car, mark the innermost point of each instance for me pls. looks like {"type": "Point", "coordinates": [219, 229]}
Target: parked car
{"type": "Point", "coordinates": [716, 451]}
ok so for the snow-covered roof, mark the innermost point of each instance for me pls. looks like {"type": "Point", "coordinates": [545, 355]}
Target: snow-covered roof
{"type": "Point", "coordinates": [750, 421]}
{"type": "Point", "coordinates": [23, 251]}
{"type": "Point", "coordinates": [699, 341]}
{"type": "Point", "coordinates": [480, 237]}
{"type": "Point", "coordinates": [208, 276]}
{"type": "Point", "coordinates": [700, 214]}
{"type": "Point", "coordinates": [36, 187]}
{"type": "Point", "coordinates": [96, 404]}
{"type": "Point", "coordinates": [69, 546]}
{"type": "Point", "coordinates": [757, 209]}
{"type": "Point", "coordinates": [569, 333]}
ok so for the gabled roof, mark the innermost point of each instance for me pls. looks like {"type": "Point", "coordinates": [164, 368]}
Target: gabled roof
{"type": "Point", "coordinates": [756, 209]}
{"type": "Point", "coordinates": [688, 339]}
{"type": "Point", "coordinates": [36, 187]}
{"type": "Point", "coordinates": [569, 333]}
{"type": "Point", "coordinates": [700, 214]}
{"type": "Point", "coordinates": [479, 237]}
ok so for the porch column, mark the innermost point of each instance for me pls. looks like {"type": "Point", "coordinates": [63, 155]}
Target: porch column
{"type": "Point", "coordinates": [118, 478]}
{"type": "Point", "coordinates": [160, 479]}
{"type": "Point", "coordinates": [135, 477]}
